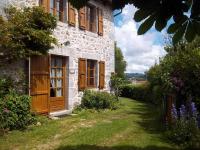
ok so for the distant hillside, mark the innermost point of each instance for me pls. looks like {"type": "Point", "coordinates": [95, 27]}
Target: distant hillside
{"type": "Point", "coordinates": [137, 76]}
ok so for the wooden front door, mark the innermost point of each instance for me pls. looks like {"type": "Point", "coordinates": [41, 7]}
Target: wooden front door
{"type": "Point", "coordinates": [57, 83]}
{"type": "Point", "coordinates": [48, 88]}
{"type": "Point", "coordinates": [39, 84]}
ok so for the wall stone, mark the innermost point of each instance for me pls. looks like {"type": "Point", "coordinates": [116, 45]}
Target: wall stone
{"type": "Point", "coordinates": [83, 44]}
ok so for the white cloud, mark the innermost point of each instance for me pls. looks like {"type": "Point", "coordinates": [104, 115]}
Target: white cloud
{"type": "Point", "coordinates": [140, 52]}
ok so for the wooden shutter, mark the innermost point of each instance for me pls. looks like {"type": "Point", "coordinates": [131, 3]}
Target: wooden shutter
{"type": "Point", "coordinates": [82, 18]}
{"type": "Point", "coordinates": [71, 15]}
{"type": "Point", "coordinates": [45, 4]}
{"type": "Point", "coordinates": [82, 80]}
{"type": "Point", "coordinates": [40, 84]}
{"type": "Point", "coordinates": [100, 22]}
{"type": "Point", "coordinates": [101, 74]}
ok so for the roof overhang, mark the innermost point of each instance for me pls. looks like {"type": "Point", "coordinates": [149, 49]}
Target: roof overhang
{"type": "Point", "coordinates": [107, 1]}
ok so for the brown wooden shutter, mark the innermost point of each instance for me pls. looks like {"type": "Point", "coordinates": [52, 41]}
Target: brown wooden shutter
{"type": "Point", "coordinates": [82, 82]}
{"type": "Point", "coordinates": [40, 84]}
{"type": "Point", "coordinates": [82, 18]}
{"type": "Point", "coordinates": [45, 4]}
{"type": "Point", "coordinates": [101, 74]}
{"type": "Point", "coordinates": [71, 15]}
{"type": "Point", "coordinates": [100, 22]}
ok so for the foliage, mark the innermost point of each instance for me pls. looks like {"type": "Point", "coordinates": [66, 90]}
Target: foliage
{"type": "Point", "coordinates": [98, 100]}
{"type": "Point", "coordinates": [15, 111]}
{"type": "Point", "coordinates": [142, 92]}
{"type": "Point", "coordinates": [184, 129]}
{"type": "Point", "coordinates": [14, 105]}
{"type": "Point", "coordinates": [178, 72]}
{"type": "Point", "coordinates": [159, 12]}
{"type": "Point", "coordinates": [137, 92]}
{"type": "Point", "coordinates": [7, 83]}
{"type": "Point", "coordinates": [95, 130]}
{"type": "Point", "coordinates": [115, 83]}
{"type": "Point", "coordinates": [24, 33]}
{"type": "Point", "coordinates": [120, 63]}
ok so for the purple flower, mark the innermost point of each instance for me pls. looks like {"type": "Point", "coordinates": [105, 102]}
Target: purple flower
{"type": "Point", "coordinates": [174, 112]}
{"type": "Point", "coordinates": [6, 110]}
{"type": "Point", "coordinates": [183, 112]}
{"type": "Point", "coordinates": [194, 112]}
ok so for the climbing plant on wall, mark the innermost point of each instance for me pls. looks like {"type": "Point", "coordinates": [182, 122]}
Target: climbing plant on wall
{"type": "Point", "coordinates": [25, 32]}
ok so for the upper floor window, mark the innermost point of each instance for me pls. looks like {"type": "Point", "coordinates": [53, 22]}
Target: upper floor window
{"type": "Point", "coordinates": [91, 18]}
{"type": "Point", "coordinates": [58, 9]}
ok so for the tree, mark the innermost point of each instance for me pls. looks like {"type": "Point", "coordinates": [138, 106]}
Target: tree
{"type": "Point", "coordinates": [185, 15]}
{"type": "Point", "coordinates": [24, 33]}
{"type": "Point", "coordinates": [115, 84]}
{"type": "Point", "coordinates": [120, 63]}
{"type": "Point", "coordinates": [179, 71]}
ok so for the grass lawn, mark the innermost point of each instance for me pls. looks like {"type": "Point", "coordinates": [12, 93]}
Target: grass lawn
{"type": "Point", "coordinates": [133, 126]}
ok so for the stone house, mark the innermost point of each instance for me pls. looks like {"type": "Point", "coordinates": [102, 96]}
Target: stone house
{"type": "Point", "coordinates": [83, 60]}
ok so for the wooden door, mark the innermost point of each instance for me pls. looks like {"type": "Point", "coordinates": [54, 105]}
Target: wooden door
{"type": "Point", "coordinates": [39, 82]}
{"type": "Point", "coordinates": [57, 83]}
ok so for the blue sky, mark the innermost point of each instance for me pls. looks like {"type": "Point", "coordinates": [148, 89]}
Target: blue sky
{"type": "Point", "coordinates": [140, 52]}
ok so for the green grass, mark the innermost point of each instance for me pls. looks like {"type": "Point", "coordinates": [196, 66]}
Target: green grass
{"type": "Point", "coordinates": [135, 125]}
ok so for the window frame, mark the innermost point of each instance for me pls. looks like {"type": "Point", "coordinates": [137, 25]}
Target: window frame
{"type": "Point", "coordinates": [95, 73]}
{"type": "Point", "coordinates": [60, 14]}
{"type": "Point", "coordinates": [93, 16]}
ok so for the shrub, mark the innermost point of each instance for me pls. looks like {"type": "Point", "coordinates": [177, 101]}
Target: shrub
{"type": "Point", "coordinates": [143, 92]}
{"type": "Point", "coordinates": [15, 111]}
{"type": "Point", "coordinates": [115, 83]}
{"type": "Point", "coordinates": [6, 83]}
{"type": "Point", "coordinates": [98, 100]}
{"type": "Point", "coordinates": [138, 92]}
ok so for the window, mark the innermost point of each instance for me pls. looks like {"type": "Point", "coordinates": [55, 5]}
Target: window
{"type": "Point", "coordinates": [58, 9]}
{"type": "Point", "coordinates": [91, 73]}
{"type": "Point", "coordinates": [91, 17]}
{"type": "Point", "coordinates": [57, 76]}
{"type": "Point", "coordinates": [87, 73]}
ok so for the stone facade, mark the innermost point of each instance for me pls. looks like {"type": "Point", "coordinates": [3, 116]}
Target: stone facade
{"type": "Point", "coordinates": [82, 44]}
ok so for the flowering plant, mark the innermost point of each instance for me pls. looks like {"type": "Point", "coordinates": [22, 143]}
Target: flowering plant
{"type": "Point", "coordinates": [185, 129]}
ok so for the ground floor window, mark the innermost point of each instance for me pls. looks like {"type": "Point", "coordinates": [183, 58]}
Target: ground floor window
{"type": "Point", "coordinates": [90, 72]}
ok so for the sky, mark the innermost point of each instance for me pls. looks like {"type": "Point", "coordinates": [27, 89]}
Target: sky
{"type": "Point", "coordinates": [140, 51]}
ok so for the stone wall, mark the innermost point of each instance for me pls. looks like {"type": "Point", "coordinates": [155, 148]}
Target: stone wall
{"type": "Point", "coordinates": [82, 44]}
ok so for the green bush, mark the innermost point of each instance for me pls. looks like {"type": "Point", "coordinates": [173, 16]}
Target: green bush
{"type": "Point", "coordinates": [115, 83]}
{"type": "Point", "coordinates": [98, 100]}
{"type": "Point", "coordinates": [6, 83]}
{"type": "Point", "coordinates": [15, 111]}
{"type": "Point", "coordinates": [137, 92]}
{"type": "Point", "coordinates": [143, 92]}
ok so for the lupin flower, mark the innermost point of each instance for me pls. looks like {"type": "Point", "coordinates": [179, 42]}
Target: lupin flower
{"type": "Point", "coordinates": [183, 112]}
{"type": "Point", "coordinates": [174, 112]}
{"type": "Point", "coordinates": [194, 112]}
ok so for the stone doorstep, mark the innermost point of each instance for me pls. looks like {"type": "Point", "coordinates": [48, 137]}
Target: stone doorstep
{"type": "Point", "coordinates": [60, 113]}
